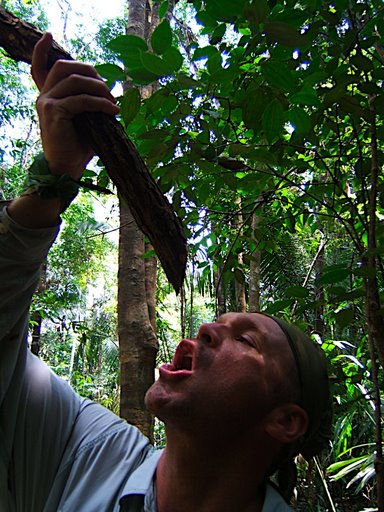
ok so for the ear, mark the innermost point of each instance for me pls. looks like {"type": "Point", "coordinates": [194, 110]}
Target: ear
{"type": "Point", "coordinates": [287, 423]}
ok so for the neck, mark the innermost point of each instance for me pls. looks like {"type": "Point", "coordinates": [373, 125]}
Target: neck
{"type": "Point", "coordinates": [194, 475]}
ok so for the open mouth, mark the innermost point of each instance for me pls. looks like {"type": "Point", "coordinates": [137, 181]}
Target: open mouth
{"type": "Point", "coordinates": [183, 359]}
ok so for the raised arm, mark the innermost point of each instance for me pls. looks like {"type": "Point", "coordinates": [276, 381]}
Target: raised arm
{"type": "Point", "coordinates": [68, 89]}
{"type": "Point", "coordinates": [38, 411]}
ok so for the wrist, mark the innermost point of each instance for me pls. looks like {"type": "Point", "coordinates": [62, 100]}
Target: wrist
{"type": "Point", "coordinates": [40, 181]}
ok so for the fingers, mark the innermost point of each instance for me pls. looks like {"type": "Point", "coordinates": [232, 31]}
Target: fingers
{"type": "Point", "coordinates": [63, 69]}
{"type": "Point", "coordinates": [68, 107]}
{"type": "Point", "coordinates": [64, 83]}
{"type": "Point", "coordinates": [66, 77]}
{"type": "Point", "coordinates": [39, 60]}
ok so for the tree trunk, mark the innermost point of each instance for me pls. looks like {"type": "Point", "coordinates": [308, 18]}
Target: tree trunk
{"type": "Point", "coordinates": [137, 279]}
{"type": "Point", "coordinates": [241, 302]}
{"type": "Point", "coordinates": [254, 270]}
{"type": "Point", "coordinates": [319, 325]}
{"type": "Point", "coordinates": [375, 321]}
{"type": "Point", "coordinates": [137, 340]}
{"type": "Point", "coordinates": [221, 305]}
{"type": "Point", "coordinates": [36, 318]}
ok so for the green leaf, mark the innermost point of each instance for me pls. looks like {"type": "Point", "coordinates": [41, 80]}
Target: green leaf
{"type": "Point", "coordinates": [161, 39]}
{"type": "Point", "coordinates": [300, 120]}
{"type": "Point", "coordinates": [362, 63]}
{"type": "Point", "coordinates": [225, 10]}
{"type": "Point", "coordinates": [173, 59]}
{"type": "Point", "coordinates": [307, 96]}
{"type": "Point", "coordinates": [186, 82]}
{"type": "Point", "coordinates": [278, 306]}
{"type": "Point", "coordinates": [142, 76]}
{"type": "Point", "coordinates": [155, 64]}
{"type": "Point", "coordinates": [273, 120]}
{"type": "Point", "coordinates": [298, 292]}
{"type": "Point", "coordinates": [206, 19]}
{"type": "Point", "coordinates": [121, 43]}
{"type": "Point", "coordinates": [218, 34]}
{"type": "Point", "coordinates": [278, 75]}
{"type": "Point", "coordinates": [344, 317]}
{"type": "Point", "coordinates": [214, 63]}
{"type": "Point", "coordinates": [256, 12]}
{"type": "Point", "coordinates": [285, 34]}
{"type": "Point", "coordinates": [156, 133]}
{"type": "Point", "coordinates": [351, 105]}
{"type": "Point", "coordinates": [157, 153]}
{"type": "Point", "coordinates": [111, 72]}
{"type": "Point", "coordinates": [204, 53]}
{"type": "Point", "coordinates": [163, 9]}
{"type": "Point", "coordinates": [130, 105]}
{"type": "Point", "coordinates": [253, 107]}
{"type": "Point", "coordinates": [334, 276]}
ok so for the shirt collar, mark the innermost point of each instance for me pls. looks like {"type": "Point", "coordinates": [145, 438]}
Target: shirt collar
{"type": "Point", "coordinates": [140, 483]}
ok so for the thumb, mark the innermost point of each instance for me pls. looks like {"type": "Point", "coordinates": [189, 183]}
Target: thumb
{"type": "Point", "coordinates": [39, 68]}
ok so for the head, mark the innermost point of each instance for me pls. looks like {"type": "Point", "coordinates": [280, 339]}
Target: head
{"type": "Point", "coordinates": [243, 374]}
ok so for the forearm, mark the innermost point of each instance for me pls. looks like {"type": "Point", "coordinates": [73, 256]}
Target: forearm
{"type": "Point", "coordinates": [34, 212]}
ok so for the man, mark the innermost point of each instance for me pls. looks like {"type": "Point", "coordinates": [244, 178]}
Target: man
{"type": "Point", "coordinates": [238, 402]}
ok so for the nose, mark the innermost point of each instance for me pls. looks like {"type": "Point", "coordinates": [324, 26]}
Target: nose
{"type": "Point", "coordinates": [210, 334]}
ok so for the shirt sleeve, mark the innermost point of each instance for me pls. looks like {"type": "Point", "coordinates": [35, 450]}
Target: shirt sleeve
{"type": "Point", "coordinates": [58, 451]}
{"type": "Point", "coordinates": [37, 410]}
{"type": "Point", "coordinates": [22, 252]}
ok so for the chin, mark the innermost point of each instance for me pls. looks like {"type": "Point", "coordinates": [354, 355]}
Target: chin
{"type": "Point", "coordinates": [156, 398]}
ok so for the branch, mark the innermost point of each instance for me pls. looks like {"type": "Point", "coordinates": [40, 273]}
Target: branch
{"type": "Point", "coordinates": [150, 209]}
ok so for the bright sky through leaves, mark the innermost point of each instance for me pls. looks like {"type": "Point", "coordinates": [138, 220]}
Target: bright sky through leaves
{"type": "Point", "coordinates": [65, 15]}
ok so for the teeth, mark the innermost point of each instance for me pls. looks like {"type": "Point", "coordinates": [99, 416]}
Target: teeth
{"type": "Point", "coordinates": [185, 363]}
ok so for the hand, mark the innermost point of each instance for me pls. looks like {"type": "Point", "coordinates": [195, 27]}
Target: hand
{"type": "Point", "coordinates": [68, 89]}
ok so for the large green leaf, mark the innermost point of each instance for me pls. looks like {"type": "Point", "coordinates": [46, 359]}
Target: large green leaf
{"type": "Point", "coordinates": [161, 39]}
{"type": "Point", "coordinates": [285, 34]}
{"type": "Point", "coordinates": [273, 120]}
{"type": "Point", "coordinates": [279, 75]}
{"type": "Point", "coordinates": [123, 43]}
{"type": "Point", "coordinates": [225, 10]}
{"type": "Point", "coordinates": [130, 105]}
{"type": "Point", "coordinates": [111, 72]}
{"type": "Point", "coordinates": [300, 120]}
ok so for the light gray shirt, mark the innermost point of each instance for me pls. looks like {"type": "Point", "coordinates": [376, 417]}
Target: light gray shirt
{"type": "Point", "coordinates": [58, 451]}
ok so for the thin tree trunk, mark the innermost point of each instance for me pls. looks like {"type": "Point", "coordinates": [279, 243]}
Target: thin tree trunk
{"type": "Point", "coordinates": [191, 295]}
{"type": "Point", "coordinates": [254, 270]}
{"type": "Point", "coordinates": [36, 318]}
{"type": "Point", "coordinates": [375, 321]}
{"type": "Point", "coordinates": [241, 302]}
{"type": "Point", "coordinates": [221, 306]}
{"type": "Point", "coordinates": [319, 325]}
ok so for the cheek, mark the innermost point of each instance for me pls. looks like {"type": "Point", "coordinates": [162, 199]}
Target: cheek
{"type": "Point", "coordinates": [242, 377]}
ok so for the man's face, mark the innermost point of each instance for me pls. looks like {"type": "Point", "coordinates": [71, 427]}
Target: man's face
{"type": "Point", "coordinates": [229, 374]}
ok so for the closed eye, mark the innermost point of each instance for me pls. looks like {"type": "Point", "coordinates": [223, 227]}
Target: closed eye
{"type": "Point", "coordinates": [245, 339]}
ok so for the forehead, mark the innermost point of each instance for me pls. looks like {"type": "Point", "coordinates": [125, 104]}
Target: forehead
{"type": "Point", "coordinates": [256, 321]}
